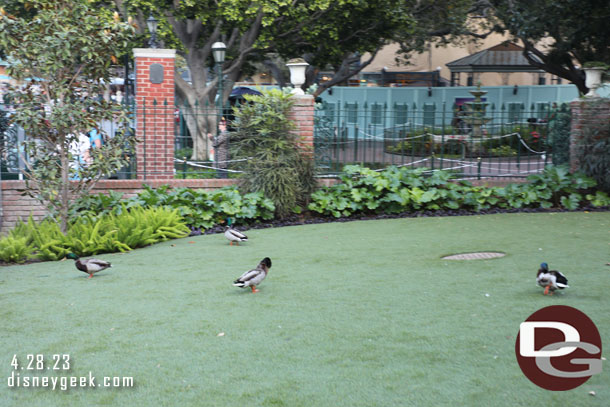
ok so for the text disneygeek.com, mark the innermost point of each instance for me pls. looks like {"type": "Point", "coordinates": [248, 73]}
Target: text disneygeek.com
{"type": "Point", "coordinates": [16, 380]}
{"type": "Point", "coordinates": [59, 362]}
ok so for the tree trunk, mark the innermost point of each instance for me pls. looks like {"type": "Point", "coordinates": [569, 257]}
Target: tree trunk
{"type": "Point", "coordinates": [564, 69]}
{"type": "Point", "coordinates": [276, 72]}
{"type": "Point", "coordinates": [199, 125]}
{"type": "Point", "coordinates": [197, 39]}
{"type": "Point", "coordinates": [64, 197]}
{"type": "Point", "coordinates": [345, 71]}
{"type": "Point", "coordinates": [198, 114]}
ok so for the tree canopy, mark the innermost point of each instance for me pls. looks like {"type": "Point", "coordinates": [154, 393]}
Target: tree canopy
{"type": "Point", "coordinates": [60, 51]}
{"type": "Point", "coordinates": [328, 34]}
{"type": "Point", "coordinates": [558, 35]}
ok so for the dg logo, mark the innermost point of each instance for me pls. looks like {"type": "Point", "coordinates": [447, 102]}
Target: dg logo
{"type": "Point", "coordinates": [559, 348]}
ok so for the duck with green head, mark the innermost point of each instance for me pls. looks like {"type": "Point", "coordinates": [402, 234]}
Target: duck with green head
{"type": "Point", "coordinates": [550, 279]}
{"type": "Point", "coordinates": [90, 266]}
{"type": "Point", "coordinates": [234, 235]}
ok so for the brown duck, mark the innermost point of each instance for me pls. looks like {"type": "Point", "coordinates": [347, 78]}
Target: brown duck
{"type": "Point", "coordinates": [90, 266]}
{"type": "Point", "coordinates": [252, 278]}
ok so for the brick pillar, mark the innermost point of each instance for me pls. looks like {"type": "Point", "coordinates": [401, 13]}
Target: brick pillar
{"type": "Point", "coordinates": [302, 115]}
{"type": "Point", "coordinates": [155, 112]}
{"type": "Point", "coordinates": [592, 113]}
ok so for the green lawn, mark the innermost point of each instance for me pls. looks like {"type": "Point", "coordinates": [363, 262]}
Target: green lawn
{"type": "Point", "coordinates": [352, 314]}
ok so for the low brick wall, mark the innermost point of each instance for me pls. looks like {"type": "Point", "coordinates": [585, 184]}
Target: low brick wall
{"type": "Point", "coordinates": [15, 206]}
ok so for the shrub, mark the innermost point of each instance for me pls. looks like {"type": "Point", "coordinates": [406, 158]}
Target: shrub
{"type": "Point", "coordinates": [183, 152]}
{"type": "Point", "coordinates": [401, 189]}
{"type": "Point", "coordinates": [503, 151]}
{"type": "Point", "coordinates": [140, 227]}
{"type": "Point", "coordinates": [555, 186]}
{"type": "Point", "coordinates": [89, 235]}
{"type": "Point", "coordinates": [277, 166]}
{"type": "Point", "coordinates": [96, 205]}
{"type": "Point", "coordinates": [198, 208]}
{"type": "Point", "coordinates": [559, 134]}
{"type": "Point", "coordinates": [14, 249]}
{"type": "Point", "coordinates": [593, 149]}
{"type": "Point", "coordinates": [390, 191]}
{"type": "Point", "coordinates": [418, 143]}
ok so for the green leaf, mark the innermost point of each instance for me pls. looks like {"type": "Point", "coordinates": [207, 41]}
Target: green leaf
{"type": "Point", "coordinates": [571, 202]}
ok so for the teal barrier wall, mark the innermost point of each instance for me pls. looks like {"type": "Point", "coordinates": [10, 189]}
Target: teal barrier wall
{"type": "Point", "coordinates": [498, 95]}
{"type": "Point", "coordinates": [373, 110]}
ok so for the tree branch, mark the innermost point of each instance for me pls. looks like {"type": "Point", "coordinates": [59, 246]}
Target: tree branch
{"type": "Point", "coordinates": [344, 72]}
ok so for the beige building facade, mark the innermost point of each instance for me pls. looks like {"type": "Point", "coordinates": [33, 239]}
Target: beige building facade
{"type": "Point", "coordinates": [437, 57]}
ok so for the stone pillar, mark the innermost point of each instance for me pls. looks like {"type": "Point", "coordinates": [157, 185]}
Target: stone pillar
{"type": "Point", "coordinates": [155, 112]}
{"type": "Point", "coordinates": [586, 113]}
{"type": "Point", "coordinates": [302, 114]}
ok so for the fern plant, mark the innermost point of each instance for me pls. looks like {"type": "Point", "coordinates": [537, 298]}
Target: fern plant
{"type": "Point", "coordinates": [90, 236]}
{"type": "Point", "coordinates": [15, 249]}
{"type": "Point", "coordinates": [122, 231]}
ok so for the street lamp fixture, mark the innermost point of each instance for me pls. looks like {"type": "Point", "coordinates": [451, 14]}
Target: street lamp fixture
{"type": "Point", "coordinates": [219, 50]}
{"type": "Point", "coordinates": [152, 29]}
{"type": "Point", "coordinates": [437, 78]}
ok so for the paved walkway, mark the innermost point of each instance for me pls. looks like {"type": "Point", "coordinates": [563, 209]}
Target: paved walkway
{"type": "Point", "coordinates": [373, 153]}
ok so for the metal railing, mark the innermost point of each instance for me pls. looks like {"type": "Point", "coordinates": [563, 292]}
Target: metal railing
{"type": "Point", "coordinates": [186, 120]}
{"type": "Point", "coordinates": [506, 142]}
{"type": "Point", "coordinates": [513, 141]}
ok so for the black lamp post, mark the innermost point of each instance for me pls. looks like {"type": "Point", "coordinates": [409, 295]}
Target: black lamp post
{"type": "Point", "coordinates": [219, 50]}
{"type": "Point", "coordinates": [152, 29]}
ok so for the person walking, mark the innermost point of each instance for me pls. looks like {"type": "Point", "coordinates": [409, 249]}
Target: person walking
{"type": "Point", "coordinates": [79, 149]}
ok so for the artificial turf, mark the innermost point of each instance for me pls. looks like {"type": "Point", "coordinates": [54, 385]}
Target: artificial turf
{"type": "Point", "coordinates": [360, 313]}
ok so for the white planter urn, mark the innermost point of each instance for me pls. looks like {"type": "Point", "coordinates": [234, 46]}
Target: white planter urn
{"type": "Point", "coordinates": [593, 80]}
{"type": "Point", "coordinates": [297, 68]}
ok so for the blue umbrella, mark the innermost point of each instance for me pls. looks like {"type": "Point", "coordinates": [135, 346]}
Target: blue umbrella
{"type": "Point", "coordinates": [237, 98]}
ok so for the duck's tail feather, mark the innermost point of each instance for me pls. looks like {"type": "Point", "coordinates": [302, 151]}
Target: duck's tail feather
{"type": "Point", "coordinates": [238, 283]}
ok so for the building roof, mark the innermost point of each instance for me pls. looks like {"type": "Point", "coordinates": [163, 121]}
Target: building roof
{"type": "Point", "coordinates": [504, 57]}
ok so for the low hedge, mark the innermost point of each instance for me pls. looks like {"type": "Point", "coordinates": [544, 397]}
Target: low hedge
{"type": "Point", "coordinates": [198, 208]}
{"type": "Point", "coordinates": [395, 190]}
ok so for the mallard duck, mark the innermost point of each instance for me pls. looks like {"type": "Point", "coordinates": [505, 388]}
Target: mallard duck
{"type": "Point", "coordinates": [235, 236]}
{"type": "Point", "coordinates": [252, 278]}
{"type": "Point", "coordinates": [90, 266]}
{"type": "Point", "coordinates": [550, 279]}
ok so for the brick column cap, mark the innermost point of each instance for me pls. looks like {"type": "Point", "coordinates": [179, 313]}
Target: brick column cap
{"type": "Point", "coordinates": [154, 53]}
{"type": "Point", "coordinates": [303, 99]}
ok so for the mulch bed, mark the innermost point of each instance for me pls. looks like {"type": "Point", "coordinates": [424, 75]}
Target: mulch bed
{"type": "Point", "coordinates": [310, 218]}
